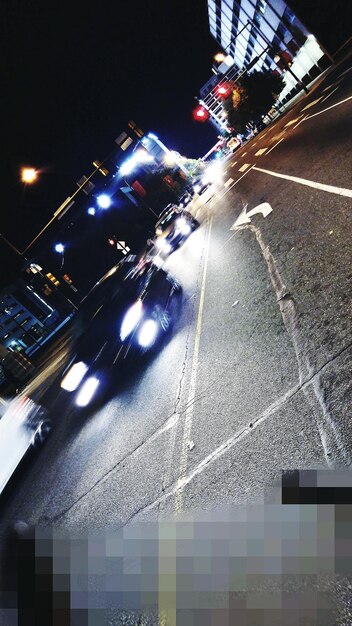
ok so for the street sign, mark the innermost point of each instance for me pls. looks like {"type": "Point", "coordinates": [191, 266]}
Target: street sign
{"type": "Point", "coordinates": [121, 245]}
{"type": "Point", "coordinates": [126, 143]}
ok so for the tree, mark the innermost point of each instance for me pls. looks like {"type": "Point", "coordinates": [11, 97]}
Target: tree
{"type": "Point", "coordinates": [251, 98]}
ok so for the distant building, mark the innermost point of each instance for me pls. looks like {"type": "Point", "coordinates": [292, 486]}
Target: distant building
{"type": "Point", "coordinates": [260, 35]}
{"type": "Point", "coordinates": [26, 319]}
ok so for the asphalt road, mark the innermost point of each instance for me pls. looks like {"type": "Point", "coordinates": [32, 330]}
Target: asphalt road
{"type": "Point", "coordinates": [255, 379]}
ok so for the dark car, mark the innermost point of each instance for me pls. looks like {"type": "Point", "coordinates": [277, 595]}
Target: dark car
{"type": "Point", "coordinates": [185, 199]}
{"type": "Point", "coordinates": [173, 228]}
{"type": "Point", "coordinates": [124, 316]}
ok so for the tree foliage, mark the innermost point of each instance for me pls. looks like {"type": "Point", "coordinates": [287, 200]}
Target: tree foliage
{"type": "Point", "coordinates": [252, 97]}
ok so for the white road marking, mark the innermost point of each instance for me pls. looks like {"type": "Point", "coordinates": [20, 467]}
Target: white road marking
{"type": "Point", "coordinates": [336, 82]}
{"type": "Point", "coordinates": [341, 191]}
{"type": "Point", "coordinates": [192, 386]}
{"type": "Point", "coordinates": [300, 122]}
{"type": "Point", "coordinates": [275, 145]}
{"type": "Point", "coordinates": [261, 151]}
{"type": "Point", "coordinates": [311, 104]}
{"type": "Point", "coordinates": [224, 448]}
{"type": "Point", "coordinates": [243, 153]}
{"type": "Point", "coordinates": [228, 182]}
{"type": "Point", "coordinates": [294, 120]}
{"type": "Point", "coordinates": [346, 71]}
{"type": "Point", "coordinates": [330, 94]}
{"type": "Point", "coordinates": [233, 164]}
{"type": "Point", "coordinates": [244, 167]}
{"type": "Point", "coordinates": [255, 142]}
{"type": "Point", "coordinates": [245, 218]}
{"type": "Point", "coordinates": [308, 117]}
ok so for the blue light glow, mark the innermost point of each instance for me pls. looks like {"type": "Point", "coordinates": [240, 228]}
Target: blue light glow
{"type": "Point", "coordinates": [59, 247]}
{"type": "Point", "coordinates": [104, 201]}
{"type": "Point", "coordinates": [91, 210]}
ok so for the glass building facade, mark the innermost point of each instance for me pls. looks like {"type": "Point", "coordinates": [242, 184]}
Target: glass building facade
{"type": "Point", "coordinates": [261, 35]}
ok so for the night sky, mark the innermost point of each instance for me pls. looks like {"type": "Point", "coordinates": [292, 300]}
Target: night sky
{"type": "Point", "coordinates": [76, 73]}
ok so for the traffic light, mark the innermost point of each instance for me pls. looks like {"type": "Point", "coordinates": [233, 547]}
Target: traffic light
{"type": "Point", "coordinates": [67, 279]}
{"type": "Point", "coordinates": [223, 90]}
{"type": "Point", "coordinates": [200, 114]}
{"type": "Point", "coordinates": [53, 279]}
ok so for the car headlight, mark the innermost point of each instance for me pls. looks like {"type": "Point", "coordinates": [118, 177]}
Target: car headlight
{"type": "Point", "coordinates": [158, 231]}
{"type": "Point", "coordinates": [131, 319]}
{"type": "Point", "coordinates": [87, 391]}
{"type": "Point", "coordinates": [197, 188]}
{"type": "Point", "coordinates": [163, 245]}
{"type": "Point", "coordinates": [183, 226]}
{"type": "Point", "coordinates": [148, 333]}
{"type": "Point", "coordinates": [74, 376]}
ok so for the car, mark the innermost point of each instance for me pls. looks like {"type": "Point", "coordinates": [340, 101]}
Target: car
{"type": "Point", "coordinates": [185, 199]}
{"type": "Point", "coordinates": [234, 143]}
{"type": "Point", "coordinates": [24, 426]}
{"type": "Point", "coordinates": [173, 229]}
{"type": "Point", "coordinates": [125, 316]}
{"type": "Point", "coordinates": [201, 185]}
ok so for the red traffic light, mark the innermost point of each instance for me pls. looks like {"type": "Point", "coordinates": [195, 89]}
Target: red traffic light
{"type": "Point", "coordinates": [223, 91]}
{"type": "Point", "coordinates": [200, 114]}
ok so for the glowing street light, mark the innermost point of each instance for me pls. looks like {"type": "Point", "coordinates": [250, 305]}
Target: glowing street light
{"type": "Point", "coordinates": [104, 201]}
{"type": "Point", "coordinates": [59, 248]}
{"type": "Point", "coordinates": [29, 175]}
{"type": "Point", "coordinates": [91, 210]}
{"type": "Point", "coordinates": [219, 57]}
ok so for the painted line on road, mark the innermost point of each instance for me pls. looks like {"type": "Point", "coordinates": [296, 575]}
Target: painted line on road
{"type": "Point", "coordinates": [218, 198]}
{"type": "Point", "coordinates": [228, 182]}
{"type": "Point", "coordinates": [328, 108]}
{"type": "Point", "coordinates": [340, 191]}
{"type": "Point", "coordinates": [192, 385]}
{"type": "Point", "coordinates": [233, 164]}
{"type": "Point", "coordinates": [244, 167]}
{"type": "Point", "coordinates": [330, 94]}
{"type": "Point", "coordinates": [311, 104]}
{"type": "Point", "coordinates": [300, 122]}
{"type": "Point", "coordinates": [294, 120]}
{"type": "Point", "coordinates": [222, 449]}
{"type": "Point", "coordinates": [346, 71]}
{"type": "Point", "coordinates": [261, 151]}
{"type": "Point", "coordinates": [243, 154]}
{"type": "Point", "coordinates": [275, 146]}
{"type": "Point", "coordinates": [336, 82]}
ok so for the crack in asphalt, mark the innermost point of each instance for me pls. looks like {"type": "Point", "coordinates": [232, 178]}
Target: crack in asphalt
{"type": "Point", "coordinates": [307, 378]}
{"type": "Point", "coordinates": [334, 449]}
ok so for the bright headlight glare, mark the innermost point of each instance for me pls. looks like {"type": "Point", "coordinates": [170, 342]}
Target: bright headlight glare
{"type": "Point", "coordinates": [213, 172]}
{"type": "Point", "coordinates": [197, 188]}
{"type": "Point", "coordinates": [148, 333]}
{"type": "Point", "coordinates": [183, 226]}
{"type": "Point", "coordinates": [87, 391]}
{"type": "Point", "coordinates": [131, 319]}
{"type": "Point", "coordinates": [74, 376]}
{"type": "Point", "coordinates": [163, 245]}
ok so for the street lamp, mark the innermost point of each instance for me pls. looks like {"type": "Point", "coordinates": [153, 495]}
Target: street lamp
{"type": "Point", "coordinates": [29, 175]}
{"type": "Point", "coordinates": [60, 249]}
{"type": "Point", "coordinates": [104, 201]}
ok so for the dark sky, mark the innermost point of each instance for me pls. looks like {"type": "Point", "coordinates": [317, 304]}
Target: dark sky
{"type": "Point", "coordinates": [76, 72]}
